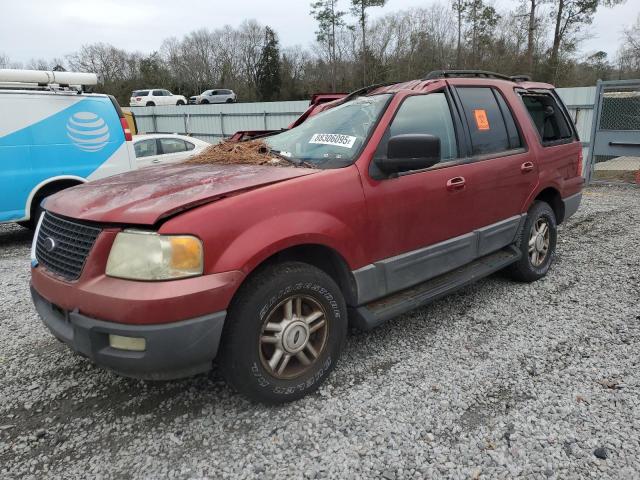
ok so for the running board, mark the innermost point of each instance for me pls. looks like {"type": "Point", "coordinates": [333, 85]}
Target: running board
{"type": "Point", "coordinates": [377, 312]}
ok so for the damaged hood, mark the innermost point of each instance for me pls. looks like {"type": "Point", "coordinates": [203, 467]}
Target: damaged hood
{"type": "Point", "coordinates": [145, 196]}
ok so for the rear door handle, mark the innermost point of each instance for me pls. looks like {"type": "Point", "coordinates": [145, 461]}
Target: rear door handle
{"type": "Point", "coordinates": [456, 183]}
{"type": "Point", "coordinates": [155, 161]}
{"type": "Point", "coordinates": [526, 167]}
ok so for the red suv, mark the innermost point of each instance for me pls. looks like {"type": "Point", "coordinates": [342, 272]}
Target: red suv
{"type": "Point", "coordinates": [396, 195]}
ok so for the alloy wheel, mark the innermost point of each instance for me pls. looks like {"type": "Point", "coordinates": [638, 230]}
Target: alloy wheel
{"type": "Point", "coordinates": [293, 336]}
{"type": "Point", "coordinates": [539, 241]}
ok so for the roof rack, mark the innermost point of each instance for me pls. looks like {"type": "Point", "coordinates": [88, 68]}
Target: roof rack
{"type": "Point", "coordinates": [475, 74]}
{"type": "Point", "coordinates": [43, 78]}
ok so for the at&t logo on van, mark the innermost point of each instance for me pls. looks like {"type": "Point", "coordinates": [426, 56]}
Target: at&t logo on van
{"type": "Point", "coordinates": [88, 131]}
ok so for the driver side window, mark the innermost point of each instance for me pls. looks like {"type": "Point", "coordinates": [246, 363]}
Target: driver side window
{"type": "Point", "coordinates": [427, 114]}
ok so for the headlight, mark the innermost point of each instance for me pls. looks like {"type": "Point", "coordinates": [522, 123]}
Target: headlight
{"type": "Point", "coordinates": [140, 255]}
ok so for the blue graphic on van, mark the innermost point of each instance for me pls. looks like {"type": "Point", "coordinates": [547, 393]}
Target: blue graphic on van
{"type": "Point", "coordinates": [75, 141]}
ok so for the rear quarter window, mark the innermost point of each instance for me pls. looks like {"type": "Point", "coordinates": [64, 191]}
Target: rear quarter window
{"type": "Point", "coordinates": [547, 117]}
{"type": "Point", "coordinates": [140, 93]}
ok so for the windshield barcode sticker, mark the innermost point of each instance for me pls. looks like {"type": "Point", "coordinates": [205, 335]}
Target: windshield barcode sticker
{"type": "Point", "coordinates": [335, 139]}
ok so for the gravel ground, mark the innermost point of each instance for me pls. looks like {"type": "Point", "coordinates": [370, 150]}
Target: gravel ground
{"type": "Point", "coordinates": [500, 380]}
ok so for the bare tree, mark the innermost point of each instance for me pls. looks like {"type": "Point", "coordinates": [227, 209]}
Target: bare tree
{"type": "Point", "coordinates": [359, 8]}
{"type": "Point", "coordinates": [329, 20]}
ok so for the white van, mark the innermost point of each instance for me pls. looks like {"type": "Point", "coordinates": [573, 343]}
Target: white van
{"type": "Point", "coordinates": [54, 136]}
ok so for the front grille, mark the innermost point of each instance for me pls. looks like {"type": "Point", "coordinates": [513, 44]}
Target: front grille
{"type": "Point", "coordinates": [63, 245]}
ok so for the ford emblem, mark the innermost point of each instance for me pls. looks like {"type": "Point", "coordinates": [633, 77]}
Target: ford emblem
{"type": "Point", "coordinates": [49, 244]}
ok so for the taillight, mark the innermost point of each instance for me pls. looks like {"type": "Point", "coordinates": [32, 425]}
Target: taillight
{"type": "Point", "coordinates": [125, 128]}
{"type": "Point", "coordinates": [579, 169]}
{"type": "Point", "coordinates": [138, 98]}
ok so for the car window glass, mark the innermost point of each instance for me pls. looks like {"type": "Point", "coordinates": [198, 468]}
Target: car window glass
{"type": "Point", "coordinates": [140, 93]}
{"type": "Point", "coordinates": [332, 138]}
{"type": "Point", "coordinates": [428, 114]}
{"type": "Point", "coordinates": [146, 148]}
{"type": "Point", "coordinates": [157, 93]}
{"type": "Point", "coordinates": [486, 124]}
{"type": "Point", "coordinates": [172, 145]}
{"type": "Point", "coordinates": [515, 141]}
{"type": "Point", "coordinates": [189, 145]}
{"type": "Point", "coordinates": [214, 92]}
{"type": "Point", "coordinates": [166, 93]}
{"type": "Point", "coordinates": [547, 117]}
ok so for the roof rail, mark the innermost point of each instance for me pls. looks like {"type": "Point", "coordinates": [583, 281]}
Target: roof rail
{"type": "Point", "coordinates": [474, 74]}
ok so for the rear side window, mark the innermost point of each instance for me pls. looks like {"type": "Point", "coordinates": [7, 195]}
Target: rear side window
{"type": "Point", "coordinates": [158, 93]}
{"type": "Point", "coordinates": [547, 117]}
{"type": "Point", "coordinates": [427, 114]}
{"type": "Point", "coordinates": [172, 145]}
{"type": "Point", "coordinates": [491, 125]}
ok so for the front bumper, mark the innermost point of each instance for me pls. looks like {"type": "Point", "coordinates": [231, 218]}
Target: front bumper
{"type": "Point", "coordinates": [571, 204]}
{"type": "Point", "coordinates": [173, 350]}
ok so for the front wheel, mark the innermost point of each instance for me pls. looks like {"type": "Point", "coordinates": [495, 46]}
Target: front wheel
{"type": "Point", "coordinates": [179, 102]}
{"type": "Point", "coordinates": [537, 244]}
{"type": "Point", "coordinates": [285, 332]}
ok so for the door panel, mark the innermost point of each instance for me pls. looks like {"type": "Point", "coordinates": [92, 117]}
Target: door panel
{"type": "Point", "coordinates": [507, 172]}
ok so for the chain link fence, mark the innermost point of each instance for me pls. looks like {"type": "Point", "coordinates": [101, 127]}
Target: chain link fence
{"type": "Point", "coordinates": [616, 134]}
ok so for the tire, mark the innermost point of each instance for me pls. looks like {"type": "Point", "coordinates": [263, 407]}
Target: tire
{"type": "Point", "coordinates": [537, 258]}
{"type": "Point", "coordinates": [151, 104]}
{"type": "Point", "coordinates": [229, 100]}
{"type": "Point", "coordinates": [204, 102]}
{"type": "Point", "coordinates": [266, 317]}
{"type": "Point", "coordinates": [179, 102]}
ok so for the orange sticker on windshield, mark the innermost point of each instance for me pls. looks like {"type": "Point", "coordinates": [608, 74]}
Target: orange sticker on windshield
{"type": "Point", "coordinates": [482, 122]}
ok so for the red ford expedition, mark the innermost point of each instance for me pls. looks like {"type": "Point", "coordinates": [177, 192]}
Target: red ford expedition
{"type": "Point", "coordinates": [396, 195]}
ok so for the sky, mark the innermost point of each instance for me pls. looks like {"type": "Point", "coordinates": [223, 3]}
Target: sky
{"type": "Point", "coordinates": [54, 28]}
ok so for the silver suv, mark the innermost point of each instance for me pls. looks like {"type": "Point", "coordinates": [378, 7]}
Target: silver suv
{"type": "Point", "coordinates": [214, 96]}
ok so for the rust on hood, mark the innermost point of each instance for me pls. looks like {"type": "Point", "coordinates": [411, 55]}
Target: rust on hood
{"type": "Point", "coordinates": [145, 196]}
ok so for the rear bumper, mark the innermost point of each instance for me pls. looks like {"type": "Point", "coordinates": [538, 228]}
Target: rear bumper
{"type": "Point", "coordinates": [173, 350]}
{"type": "Point", "coordinates": [571, 204]}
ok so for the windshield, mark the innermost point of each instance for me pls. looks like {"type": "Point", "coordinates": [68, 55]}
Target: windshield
{"type": "Point", "coordinates": [332, 138]}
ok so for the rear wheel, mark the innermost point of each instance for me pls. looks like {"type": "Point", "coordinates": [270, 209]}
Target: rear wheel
{"type": "Point", "coordinates": [151, 104]}
{"type": "Point", "coordinates": [285, 331]}
{"type": "Point", "coordinates": [537, 244]}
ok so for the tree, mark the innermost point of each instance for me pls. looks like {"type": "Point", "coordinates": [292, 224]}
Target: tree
{"type": "Point", "coordinates": [482, 21]}
{"type": "Point", "coordinates": [570, 16]}
{"type": "Point", "coordinates": [460, 8]}
{"type": "Point", "coordinates": [359, 9]}
{"type": "Point", "coordinates": [531, 35]}
{"type": "Point", "coordinates": [269, 80]}
{"type": "Point", "coordinates": [4, 60]}
{"type": "Point", "coordinates": [328, 18]}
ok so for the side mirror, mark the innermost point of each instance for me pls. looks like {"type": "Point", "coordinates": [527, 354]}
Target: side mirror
{"type": "Point", "coordinates": [407, 152]}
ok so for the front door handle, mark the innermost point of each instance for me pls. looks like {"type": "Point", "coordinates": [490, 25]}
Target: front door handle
{"type": "Point", "coordinates": [456, 183]}
{"type": "Point", "coordinates": [526, 167]}
{"type": "Point", "coordinates": [155, 161]}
